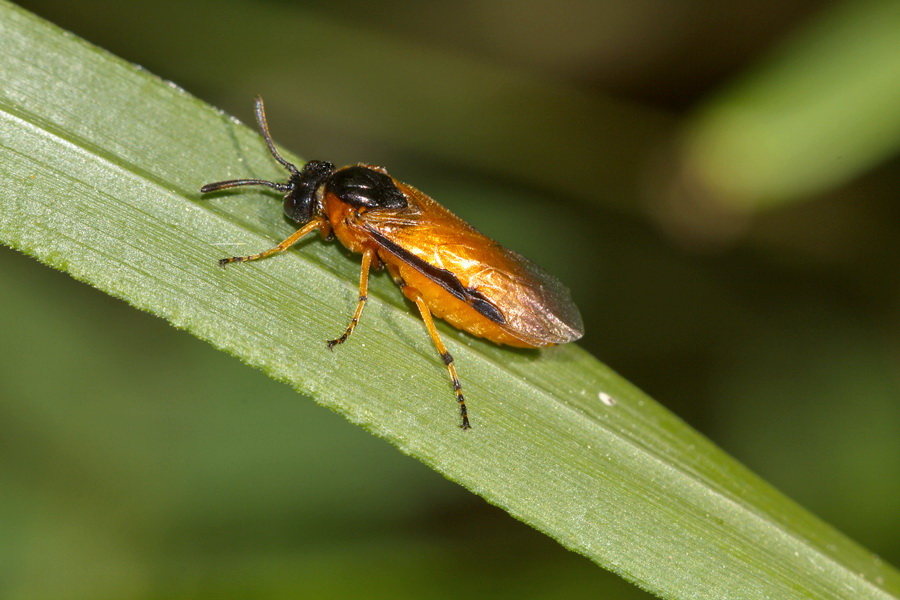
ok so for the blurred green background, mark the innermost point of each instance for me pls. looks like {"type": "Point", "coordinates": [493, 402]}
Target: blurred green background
{"type": "Point", "coordinates": [717, 183]}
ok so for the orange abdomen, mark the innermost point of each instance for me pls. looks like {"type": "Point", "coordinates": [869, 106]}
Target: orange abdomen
{"type": "Point", "coordinates": [450, 308]}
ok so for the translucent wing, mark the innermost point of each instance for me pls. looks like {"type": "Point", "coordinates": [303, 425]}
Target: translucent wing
{"type": "Point", "coordinates": [533, 305]}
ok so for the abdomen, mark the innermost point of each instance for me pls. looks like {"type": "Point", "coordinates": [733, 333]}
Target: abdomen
{"type": "Point", "coordinates": [450, 308]}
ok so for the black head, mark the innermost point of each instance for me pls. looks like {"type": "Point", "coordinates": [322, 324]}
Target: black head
{"type": "Point", "coordinates": [300, 190]}
{"type": "Point", "coordinates": [361, 186]}
{"type": "Point", "coordinates": [300, 202]}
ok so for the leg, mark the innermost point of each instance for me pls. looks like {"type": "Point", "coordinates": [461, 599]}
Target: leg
{"type": "Point", "coordinates": [363, 297]}
{"type": "Point", "coordinates": [445, 356]}
{"type": "Point", "coordinates": [316, 223]}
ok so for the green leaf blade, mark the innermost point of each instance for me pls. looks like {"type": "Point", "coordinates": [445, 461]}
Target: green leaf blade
{"type": "Point", "coordinates": [101, 163]}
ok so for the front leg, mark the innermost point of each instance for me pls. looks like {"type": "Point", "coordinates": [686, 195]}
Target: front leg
{"type": "Point", "coordinates": [315, 223]}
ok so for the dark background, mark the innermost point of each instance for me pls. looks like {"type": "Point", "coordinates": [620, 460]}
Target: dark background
{"type": "Point", "coordinates": [138, 462]}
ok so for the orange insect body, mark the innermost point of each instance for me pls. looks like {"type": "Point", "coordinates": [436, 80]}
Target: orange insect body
{"type": "Point", "coordinates": [441, 263]}
{"type": "Point", "coordinates": [444, 241]}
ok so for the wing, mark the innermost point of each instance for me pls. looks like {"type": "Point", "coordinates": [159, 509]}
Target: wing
{"type": "Point", "coordinates": [526, 301]}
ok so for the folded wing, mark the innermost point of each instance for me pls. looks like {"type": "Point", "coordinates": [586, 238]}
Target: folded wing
{"type": "Point", "coordinates": [533, 305]}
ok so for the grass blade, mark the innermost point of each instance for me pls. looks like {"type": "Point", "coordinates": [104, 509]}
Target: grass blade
{"type": "Point", "coordinates": [100, 165]}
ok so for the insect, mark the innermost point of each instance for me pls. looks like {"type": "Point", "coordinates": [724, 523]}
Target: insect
{"type": "Point", "coordinates": [441, 263]}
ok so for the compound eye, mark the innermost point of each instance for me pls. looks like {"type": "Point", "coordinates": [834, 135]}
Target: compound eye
{"type": "Point", "coordinates": [361, 186]}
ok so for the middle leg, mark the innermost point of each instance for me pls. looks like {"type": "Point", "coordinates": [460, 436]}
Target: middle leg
{"type": "Point", "coordinates": [368, 255]}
